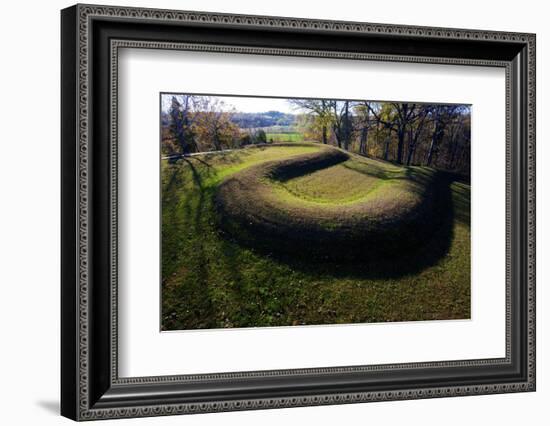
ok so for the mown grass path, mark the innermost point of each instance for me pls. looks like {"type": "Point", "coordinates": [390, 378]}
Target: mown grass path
{"type": "Point", "coordinates": [211, 279]}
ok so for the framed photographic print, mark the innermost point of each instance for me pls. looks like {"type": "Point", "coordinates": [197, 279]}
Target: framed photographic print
{"type": "Point", "coordinates": [263, 212]}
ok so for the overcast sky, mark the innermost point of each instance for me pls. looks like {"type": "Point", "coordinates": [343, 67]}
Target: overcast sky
{"type": "Point", "coordinates": [244, 104]}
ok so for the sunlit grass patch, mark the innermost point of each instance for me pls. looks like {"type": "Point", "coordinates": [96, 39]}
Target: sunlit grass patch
{"type": "Point", "coordinates": [336, 184]}
{"type": "Point", "coordinates": [284, 137]}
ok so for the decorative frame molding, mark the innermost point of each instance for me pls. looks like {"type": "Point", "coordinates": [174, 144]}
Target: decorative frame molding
{"type": "Point", "coordinates": [91, 388]}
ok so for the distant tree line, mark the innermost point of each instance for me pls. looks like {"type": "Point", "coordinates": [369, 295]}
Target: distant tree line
{"type": "Point", "coordinates": [249, 120]}
{"type": "Point", "coordinates": [407, 133]}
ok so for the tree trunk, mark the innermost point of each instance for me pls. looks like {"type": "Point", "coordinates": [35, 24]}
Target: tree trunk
{"type": "Point", "coordinates": [346, 127]}
{"type": "Point", "coordinates": [363, 148]}
{"type": "Point", "coordinates": [437, 135]}
{"type": "Point", "coordinates": [452, 153]}
{"type": "Point", "coordinates": [431, 152]}
{"type": "Point", "coordinates": [324, 131]}
{"type": "Point", "coordinates": [400, 144]}
{"type": "Point", "coordinates": [185, 146]}
{"type": "Point", "coordinates": [454, 146]}
{"type": "Point", "coordinates": [216, 140]}
{"type": "Point", "coordinates": [387, 146]}
{"type": "Point", "coordinates": [337, 135]}
{"type": "Point", "coordinates": [412, 149]}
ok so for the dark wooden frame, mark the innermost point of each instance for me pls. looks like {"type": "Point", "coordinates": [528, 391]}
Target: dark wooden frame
{"type": "Point", "coordinates": [90, 386]}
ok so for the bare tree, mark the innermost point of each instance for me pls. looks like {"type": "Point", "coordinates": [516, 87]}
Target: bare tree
{"type": "Point", "coordinates": [397, 118]}
{"type": "Point", "coordinates": [181, 122]}
{"type": "Point", "coordinates": [416, 127]}
{"type": "Point", "coordinates": [320, 109]}
{"type": "Point", "coordinates": [441, 115]}
{"type": "Point", "coordinates": [458, 134]}
{"type": "Point", "coordinates": [342, 125]}
{"type": "Point", "coordinates": [406, 114]}
{"type": "Point", "coordinates": [363, 109]}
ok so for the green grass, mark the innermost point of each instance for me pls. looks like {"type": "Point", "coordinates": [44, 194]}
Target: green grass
{"type": "Point", "coordinates": [336, 184]}
{"type": "Point", "coordinates": [285, 137]}
{"type": "Point", "coordinates": [209, 281]}
{"type": "Point", "coordinates": [355, 180]}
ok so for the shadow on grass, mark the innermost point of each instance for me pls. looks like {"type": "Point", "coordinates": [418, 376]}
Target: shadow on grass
{"type": "Point", "coordinates": [400, 258]}
{"type": "Point", "coordinates": [402, 261]}
{"type": "Point", "coordinates": [194, 209]}
{"type": "Point", "coordinates": [340, 241]}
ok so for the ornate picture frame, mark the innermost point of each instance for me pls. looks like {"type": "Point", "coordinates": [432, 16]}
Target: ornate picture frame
{"type": "Point", "coordinates": [91, 386]}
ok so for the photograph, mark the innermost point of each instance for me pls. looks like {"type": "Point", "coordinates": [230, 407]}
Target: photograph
{"type": "Point", "coordinates": [272, 208]}
{"type": "Point", "coordinates": [286, 211]}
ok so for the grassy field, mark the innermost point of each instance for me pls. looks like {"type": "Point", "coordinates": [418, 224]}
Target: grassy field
{"type": "Point", "coordinates": [212, 280]}
{"type": "Point", "coordinates": [284, 137]}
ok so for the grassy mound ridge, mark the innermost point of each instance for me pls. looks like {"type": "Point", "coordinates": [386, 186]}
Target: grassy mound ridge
{"type": "Point", "coordinates": [258, 207]}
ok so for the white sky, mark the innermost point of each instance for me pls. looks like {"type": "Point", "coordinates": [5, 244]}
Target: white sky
{"type": "Point", "coordinates": [244, 104]}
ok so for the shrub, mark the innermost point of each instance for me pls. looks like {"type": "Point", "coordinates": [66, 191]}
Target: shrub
{"type": "Point", "coordinates": [260, 137]}
{"type": "Point", "coordinates": [245, 139]}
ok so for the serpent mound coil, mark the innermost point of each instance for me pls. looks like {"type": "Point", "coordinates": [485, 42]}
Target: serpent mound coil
{"type": "Point", "coordinates": [265, 208]}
